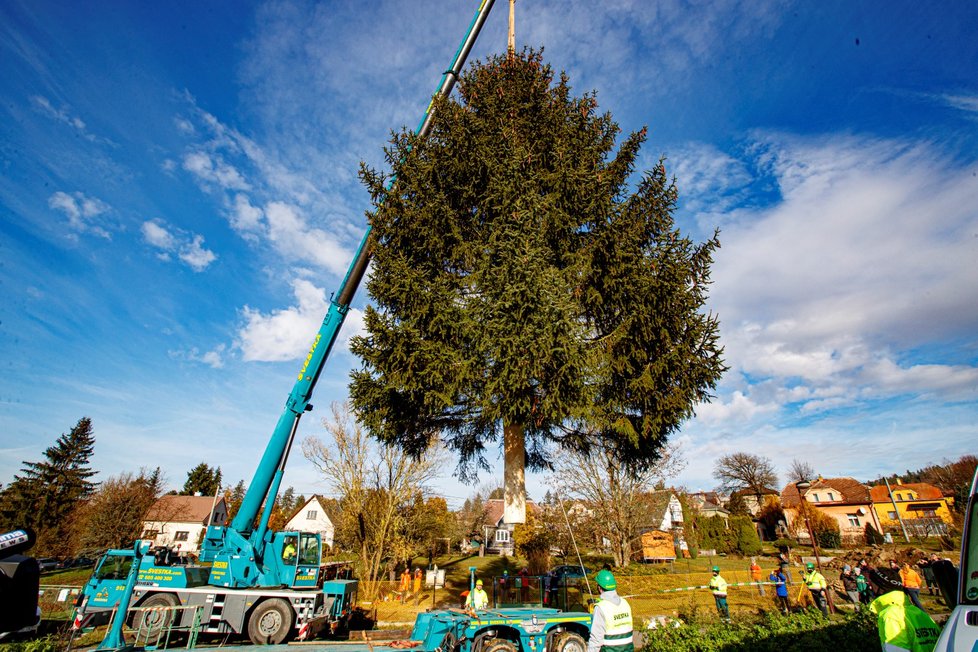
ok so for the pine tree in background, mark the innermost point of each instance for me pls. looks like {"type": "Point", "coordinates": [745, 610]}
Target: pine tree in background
{"type": "Point", "coordinates": [46, 493]}
{"type": "Point", "coordinates": [520, 281]}
{"type": "Point", "coordinates": [202, 479]}
{"type": "Point", "coordinates": [233, 498]}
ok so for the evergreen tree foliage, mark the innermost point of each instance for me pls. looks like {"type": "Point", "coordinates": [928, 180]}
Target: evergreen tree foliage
{"type": "Point", "coordinates": [744, 536]}
{"type": "Point", "coordinates": [202, 479]}
{"type": "Point", "coordinates": [233, 498]}
{"type": "Point", "coordinates": [45, 493]}
{"type": "Point", "coordinates": [520, 280]}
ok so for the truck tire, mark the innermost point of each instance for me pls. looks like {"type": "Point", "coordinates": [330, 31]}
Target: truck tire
{"type": "Point", "coordinates": [568, 642]}
{"type": "Point", "coordinates": [155, 622]}
{"type": "Point", "coordinates": [499, 645]}
{"type": "Point", "coordinates": [270, 622]}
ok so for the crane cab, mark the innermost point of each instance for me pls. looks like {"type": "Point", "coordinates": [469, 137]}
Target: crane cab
{"type": "Point", "coordinates": [297, 556]}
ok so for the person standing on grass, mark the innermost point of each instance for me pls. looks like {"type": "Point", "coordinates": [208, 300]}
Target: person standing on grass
{"type": "Point", "coordinates": [780, 589]}
{"type": "Point", "coordinates": [755, 575]}
{"type": "Point", "coordinates": [911, 584]}
{"type": "Point", "coordinates": [850, 585]}
{"type": "Point", "coordinates": [611, 622]}
{"type": "Point", "coordinates": [718, 587]}
{"type": "Point", "coordinates": [817, 586]}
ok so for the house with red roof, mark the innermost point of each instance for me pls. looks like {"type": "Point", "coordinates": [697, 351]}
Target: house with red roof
{"type": "Point", "coordinates": [922, 507]}
{"type": "Point", "coordinates": [846, 500]}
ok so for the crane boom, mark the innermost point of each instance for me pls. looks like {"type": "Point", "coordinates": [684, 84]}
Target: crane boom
{"type": "Point", "coordinates": [242, 539]}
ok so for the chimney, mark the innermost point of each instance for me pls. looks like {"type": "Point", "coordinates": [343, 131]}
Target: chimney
{"type": "Point", "coordinates": [899, 481]}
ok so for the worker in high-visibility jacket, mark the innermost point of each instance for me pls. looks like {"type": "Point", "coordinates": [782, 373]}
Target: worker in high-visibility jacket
{"type": "Point", "coordinates": [718, 587]}
{"type": "Point", "coordinates": [611, 622]}
{"type": "Point", "coordinates": [477, 598]}
{"type": "Point", "coordinates": [902, 626]}
{"type": "Point", "coordinates": [817, 585]}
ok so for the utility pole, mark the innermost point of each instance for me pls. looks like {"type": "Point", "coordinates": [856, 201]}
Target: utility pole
{"type": "Point", "coordinates": [512, 27]}
{"type": "Point", "coordinates": [899, 518]}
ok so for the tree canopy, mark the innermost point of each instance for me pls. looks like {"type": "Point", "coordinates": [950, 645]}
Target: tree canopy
{"type": "Point", "coordinates": [746, 471]}
{"type": "Point", "coordinates": [202, 479]}
{"type": "Point", "coordinates": [520, 279]}
{"type": "Point", "coordinates": [44, 494]}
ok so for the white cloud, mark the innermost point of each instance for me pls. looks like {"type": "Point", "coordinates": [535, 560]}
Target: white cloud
{"type": "Point", "coordinates": [293, 236]}
{"type": "Point", "coordinates": [194, 254]}
{"type": "Point", "coordinates": [212, 169]}
{"type": "Point", "coordinates": [287, 333]}
{"type": "Point", "coordinates": [169, 241]}
{"type": "Point", "coordinates": [61, 115]}
{"type": "Point", "coordinates": [245, 217]}
{"type": "Point", "coordinates": [966, 103]}
{"type": "Point", "coordinates": [83, 212]}
{"type": "Point", "coordinates": [156, 234]}
{"type": "Point", "coordinates": [836, 294]}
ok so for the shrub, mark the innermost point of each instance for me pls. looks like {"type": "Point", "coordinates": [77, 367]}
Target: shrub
{"type": "Point", "coordinates": [829, 539]}
{"type": "Point", "coordinates": [744, 537]}
{"type": "Point", "coordinates": [873, 537]}
{"type": "Point", "coordinates": [771, 632]}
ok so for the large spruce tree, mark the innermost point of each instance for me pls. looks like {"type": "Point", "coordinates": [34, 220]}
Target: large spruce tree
{"type": "Point", "coordinates": [525, 280]}
{"type": "Point", "coordinates": [45, 493]}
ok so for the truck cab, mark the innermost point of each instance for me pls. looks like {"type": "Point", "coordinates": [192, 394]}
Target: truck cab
{"type": "Point", "coordinates": [297, 556]}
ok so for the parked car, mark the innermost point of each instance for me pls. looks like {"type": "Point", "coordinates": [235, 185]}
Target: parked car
{"type": "Point", "coordinates": [79, 562]}
{"type": "Point", "coordinates": [48, 564]}
{"type": "Point", "coordinates": [562, 573]}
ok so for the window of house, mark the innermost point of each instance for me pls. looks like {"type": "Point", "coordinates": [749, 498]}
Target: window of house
{"type": "Point", "coordinates": [891, 515]}
{"type": "Point", "coordinates": [831, 496]}
{"type": "Point", "coordinates": [930, 512]}
{"type": "Point", "coordinates": [853, 519]}
{"type": "Point", "coordinates": [150, 534]}
{"type": "Point", "coordinates": [899, 496]}
{"type": "Point", "coordinates": [502, 536]}
{"type": "Point", "coordinates": [816, 497]}
{"type": "Point", "coordinates": [181, 536]}
{"type": "Point", "coordinates": [312, 514]}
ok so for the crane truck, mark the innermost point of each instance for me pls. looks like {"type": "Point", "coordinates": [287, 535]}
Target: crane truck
{"type": "Point", "coordinates": [960, 633]}
{"type": "Point", "coordinates": [253, 580]}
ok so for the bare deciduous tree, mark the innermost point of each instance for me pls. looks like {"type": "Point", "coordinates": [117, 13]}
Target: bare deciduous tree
{"type": "Point", "coordinates": [617, 496]}
{"type": "Point", "coordinates": [800, 471]}
{"type": "Point", "coordinates": [746, 471]}
{"type": "Point", "coordinates": [375, 485]}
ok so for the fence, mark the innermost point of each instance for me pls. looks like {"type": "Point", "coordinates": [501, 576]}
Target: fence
{"type": "Point", "coordinates": [156, 626]}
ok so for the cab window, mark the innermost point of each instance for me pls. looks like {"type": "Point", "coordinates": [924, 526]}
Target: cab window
{"type": "Point", "coordinates": [290, 550]}
{"type": "Point", "coordinates": [114, 568]}
{"type": "Point", "coordinates": [309, 552]}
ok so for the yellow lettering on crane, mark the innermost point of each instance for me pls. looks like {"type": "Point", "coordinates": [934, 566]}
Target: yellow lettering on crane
{"type": "Point", "coordinates": [305, 365]}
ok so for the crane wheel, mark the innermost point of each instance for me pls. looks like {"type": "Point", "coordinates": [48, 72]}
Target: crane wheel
{"type": "Point", "coordinates": [270, 622]}
{"type": "Point", "coordinates": [568, 642]}
{"type": "Point", "coordinates": [499, 645]}
{"type": "Point", "coordinates": [153, 623]}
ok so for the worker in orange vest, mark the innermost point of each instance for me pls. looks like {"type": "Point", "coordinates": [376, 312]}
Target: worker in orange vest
{"type": "Point", "coordinates": [911, 584]}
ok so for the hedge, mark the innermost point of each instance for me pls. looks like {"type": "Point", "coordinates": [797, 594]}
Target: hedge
{"type": "Point", "coordinates": [797, 632]}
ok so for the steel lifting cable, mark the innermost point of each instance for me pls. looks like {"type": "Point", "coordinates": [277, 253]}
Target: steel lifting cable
{"type": "Point", "coordinates": [580, 561]}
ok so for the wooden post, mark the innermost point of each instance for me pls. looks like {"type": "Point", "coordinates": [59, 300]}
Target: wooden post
{"type": "Point", "coordinates": [514, 479]}
{"type": "Point", "coordinates": [512, 27]}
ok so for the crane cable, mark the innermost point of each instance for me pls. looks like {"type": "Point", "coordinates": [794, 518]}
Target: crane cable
{"type": "Point", "coordinates": [574, 542]}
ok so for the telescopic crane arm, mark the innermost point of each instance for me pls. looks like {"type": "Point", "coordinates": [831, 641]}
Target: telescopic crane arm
{"type": "Point", "coordinates": [265, 483]}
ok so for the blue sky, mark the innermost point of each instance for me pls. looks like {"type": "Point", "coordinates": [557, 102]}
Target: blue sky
{"type": "Point", "coordinates": [179, 198]}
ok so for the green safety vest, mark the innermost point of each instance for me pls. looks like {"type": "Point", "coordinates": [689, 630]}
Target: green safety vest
{"type": "Point", "coordinates": [617, 626]}
{"type": "Point", "coordinates": [718, 586]}
{"type": "Point", "coordinates": [478, 599]}
{"type": "Point", "coordinates": [814, 581]}
{"type": "Point", "coordinates": [905, 627]}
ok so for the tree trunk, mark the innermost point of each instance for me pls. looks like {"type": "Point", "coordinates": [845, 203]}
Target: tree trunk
{"type": "Point", "coordinates": [514, 480]}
